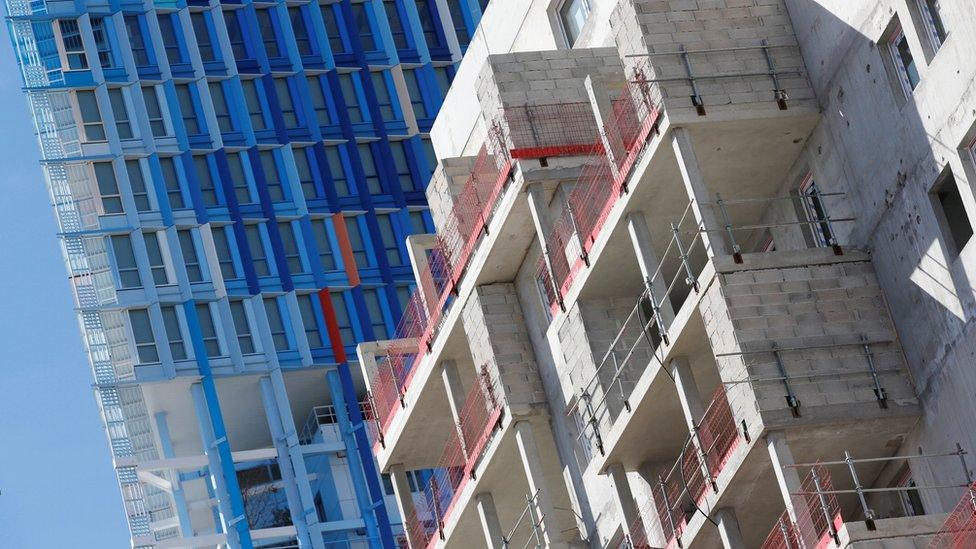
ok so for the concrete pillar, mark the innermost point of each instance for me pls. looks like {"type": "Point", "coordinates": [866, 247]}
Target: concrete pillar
{"type": "Point", "coordinates": [684, 381]}
{"type": "Point", "coordinates": [417, 246]}
{"type": "Point", "coordinates": [691, 174]}
{"type": "Point", "coordinates": [179, 499]}
{"type": "Point", "coordinates": [603, 112]}
{"type": "Point", "coordinates": [728, 529]}
{"type": "Point", "coordinates": [648, 262]}
{"type": "Point", "coordinates": [623, 497]}
{"type": "Point", "coordinates": [494, 536]}
{"type": "Point", "coordinates": [543, 511]}
{"type": "Point", "coordinates": [404, 496]}
{"type": "Point", "coordinates": [215, 471]}
{"type": "Point", "coordinates": [301, 516]}
{"type": "Point", "coordinates": [455, 397]}
{"type": "Point", "coordinates": [539, 209]}
{"type": "Point", "coordinates": [787, 476]}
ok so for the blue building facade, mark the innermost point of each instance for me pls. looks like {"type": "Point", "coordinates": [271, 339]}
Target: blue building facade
{"type": "Point", "coordinates": [234, 182]}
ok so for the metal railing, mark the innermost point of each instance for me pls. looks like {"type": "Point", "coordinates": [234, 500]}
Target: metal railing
{"type": "Point", "coordinates": [478, 419]}
{"type": "Point", "coordinates": [534, 537]}
{"type": "Point", "coordinates": [326, 415]}
{"type": "Point", "coordinates": [816, 516]}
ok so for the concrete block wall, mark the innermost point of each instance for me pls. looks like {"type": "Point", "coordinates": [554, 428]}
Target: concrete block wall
{"type": "Point", "coordinates": [663, 27]}
{"type": "Point", "coordinates": [447, 182]}
{"type": "Point", "coordinates": [497, 336]}
{"type": "Point", "coordinates": [817, 316]}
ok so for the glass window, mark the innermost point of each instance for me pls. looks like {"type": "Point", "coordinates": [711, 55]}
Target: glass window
{"type": "Point", "coordinates": [573, 14]}
{"type": "Point", "coordinates": [224, 256]}
{"type": "Point", "coordinates": [255, 109]}
{"type": "Point", "coordinates": [351, 97]}
{"type": "Point", "coordinates": [74, 50]}
{"type": "Point", "coordinates": [232, 20]}
{"type": "Point", "coordinates": [108, 188]}
{"type": "Point", "coordinates": [202, 32]}
{"type": "Point", "coordinates": [343, 319]}
{"type": "Point", "coordinates": [429, 155]}
{"type": "Point", "coordinates": [417, 223]}
{"type": "Point", "coordinates": [241, 189]}
{"type": "Point", "coordinates": [396, 24]}
{"type": "Point", "coordinates": [361, 18]}
{"type": "Point", "coordinates": [356, 242]}
{"type": "Point", "coordinates": [191, 260]}
{"type": "Point", "coordinates": [323, 244]}
{"type": "Point", "coordinates": [310, 321]}
{"type": "Point", "coordinates": [443, 78]}
{"type": "Point", "coordinates": [156, 263]}
{"type": "Point", "coordinates": [271, 176]}
{"type": "Point", "coordinates": [372, 298]}
{"type": "Point", "coordinates": [289, 243]}
{"type": "Point", "coordinates": [142, 334]}
{"type": "Point", "coordinates": [399, 150]}
{"type": "Point", "coordinates": [242, 326]}
{"type": "Point", "coordinates": [125, 262]}
{"type": "Point", "coordinates": [277, 324]}
{"type": "Point", "coordinates": [174, 190]}
{"type": "Point", "coordinates": [373, 182]}
{"type": "Point", "coordinates": [300, 30]}
{"type": "Point", "coordinates": [138, 185]}
{"type": "Point", "coordinates": [173, 333]}
{"type": "Point", "coordinates": [285, 103]}
{"type": "Point", "coordinates": [268, 35]}
{"type": "Point", "coordinates": [932, 15]}
{"type": "Point", "coordinates": [320, 101]}
{"type": "Point", "coordinates": [337, 170]}
{"type": "Point", "coordinates": [188, 109]}
{"type": "Point", "coordinates": [416, 97]}
{"type": "Point", "coordinates": [813, 210]}
{"type": "Point", "coordinates": [205, 180]}
{"type": "Point", "coordinates": [304, 168]}
{"type": "Point", "coordinates": [383, 98]}
{"type": "Point", "coordinates": [137, 40]}
{"type": "Point", "coordinates": [428, 22]}
{"type": "Point", "coordinates": [389, 238]}
{"type": "Point", "coordinates": [91, 116]}
{"type": "Point", "coordinates": [460, 27]}
{"type": "Point", "coordinates": [169, 29]}
{"type": "Point", "coordinates": [122, 123]}
{"type": "Point", "coordinates": [904, 61]}
{"type": "Point", "coordinates": [154, 111]}
{"type": "Point", "coordinates": [208, 330]}
{"type": "Point", "coordinates": [331, 19]}
{"type": "Point", "coordinates": [255, 244]}
{"type": "Point", "coordinates": [221, 109]}
{"type": "Point", "coordinates": [102, 45]}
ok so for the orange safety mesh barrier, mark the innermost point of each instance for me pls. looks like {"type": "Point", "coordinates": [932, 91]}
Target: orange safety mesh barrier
{"type": "Point", "coordinates": [817, 512]}
{"type": "Point", "coordinates": [959, 530]}
{"type": "Point", "coordinates": [559, 129]}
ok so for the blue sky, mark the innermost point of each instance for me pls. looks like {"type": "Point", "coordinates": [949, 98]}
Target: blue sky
{"type": "Point", "coordinates": [57, 487]}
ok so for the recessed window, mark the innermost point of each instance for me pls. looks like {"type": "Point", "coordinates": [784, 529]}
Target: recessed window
{"type": "Point", "coordinates": [304, 169]}
{"type": "Point", "coordinates": [255, 109]}
{"type": "Point", "coordinates": [125, 262]}
{"type": "Point", "coordinates": [137, 40]}
{"type": "Point", "coordinates": [356, 242]}
{"type": "Point", "coordinates": [306, 305]}
{"type": "Point", "coordinates": [243, 327]}
{"type": "Point", "coordinates": [460, 26]}
{"type": "Point", "coordinates": [174, 334]}
{"type": "Point", "coordinates": [91, 116]}
{"type": "Point", "coordinates": [276, 322]}
{"type": "Point", "coordinates": [174, 190]}
{"type": "Point", "coordinates": [242, 191]}
{"type": "Point", "coordinates": [272, 177]}
{"type": "Point", "coordinates": [396, 24]}
{"type": "Point", "coordinates": [285, 102]}
{"type": "Point", "coordinates": [137, 182]}
{"type": "Point", "coordinates": [156, 263]}
{"type": "Point", "coordinates": [951, 213]}
{"type": "Point", "coordinates": [388, 236]}
{"type": "Point", "coordinates": [121, 113]}
{"type": "Point", "coordinates": [235, 34]}
{"type": "Point", "coordinates": [169, 29]}
{"type": "Point", "coordinates": [225, 257]}
{"type": "Point", "coordinates": [337, 170]}
{"type": "Point", "coordinates": [102, 46]}
{"type": "Point", "coordinates": [904, 61]}
{"type": "Point", "coordinates": [323, 244]}
{"type": "Point", "coordinates": [188, 109]}
{"type": "Point", "coordinates": [154, 110]}
{"type": "Point", "coordinates": [343, 320]}
{"type": "Point", "coordinates": [72, 48]}
{"type": "Point", "coordinates": [266, 25]}
{"type": "Point", "coordinates": [289, 244]}
{"type": "Point", "coordinates": [142, 334]}
{"type": "Point", "coordinates": [932, 19]}
{"type": "Point", "coordinates": [108, 188]}
{"type": "Point", "coordinates": [300, 30]}
{"type": "Point", "coordinates": [255, 243]}
{"type": "Point", "coordinates": [191, 259]}
{"type": "Point", "coordinates": [573, 15]}
{"type": "Point", "coordinates": [201, 30]}
{"type": "Point", "coordinates": [373, 182]}
{"type": "Point", "coordinates": [208, 329]}
{"type": "Point", "coordinates": [205, 180]}
{"type": "Point", "coordinates": [375, 311]}
{"type": "Point", "coordinates": [221, 110]}
{"type": "Point", "coordinates": [814, 212]}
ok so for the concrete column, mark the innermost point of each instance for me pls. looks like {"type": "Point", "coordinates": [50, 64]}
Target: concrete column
{"type": "Point", "coordinates": [216, 477]}
{"type": "Point", "coordinates": [494, 536]}
{"type": "Point", "coordinates": [417, 246]}
{"type": "Point", "coordinates": [728, 529]}
{"type": "Point", "coordinates": [691, 174]}
{"type": "Point", "coordinates": [403, 494]}
{"type": "Point", "coordinates": [543, 510]}
{"type": "Point", "coordinates": [623, 496]}
{"type": "Point", "coordinates": [684, 381]}
{"type": "Point", "coordinates": [301, 516]}
{"type": "Point", "coordinates": [539, 209]}
{"type": "Point", "coordinates": [603, 112]}
{"type": "Point", "coordinates": [455, 397]}
{"type": "Point", "coordinates": [647, 261]}
{"type": "Point", "coordinates": [787, 476]}
{"type": "Point", "coordinates": [179, 499]}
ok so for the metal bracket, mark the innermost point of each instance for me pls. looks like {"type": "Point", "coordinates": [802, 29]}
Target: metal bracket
{"type": "Point", "coordinates": [696, 98]}
{"type": "Point", "coordinates": [791, 400]}
{"type": "Point", "coordinates": [779, 93]}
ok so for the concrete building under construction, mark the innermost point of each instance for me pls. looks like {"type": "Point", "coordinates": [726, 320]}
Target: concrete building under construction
{"type": "Point", "coordinates": [701, 277]}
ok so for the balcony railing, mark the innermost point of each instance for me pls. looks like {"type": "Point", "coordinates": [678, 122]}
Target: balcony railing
{"type": "Point", "coordinates": [326, 415]}
{"type": "Point", "coordinates": [959, 530]}
{"type": "Point", "coordinates": [818, 517]}
{"type": "Point", "coordinates": [548, 130]}
{"type": "Point", "coordinates": [478, 418]}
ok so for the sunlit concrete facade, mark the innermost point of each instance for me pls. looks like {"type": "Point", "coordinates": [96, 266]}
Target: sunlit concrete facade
{"type": "Point", "coordinates": [700, 278]}
{"type": "Point", "coordinates": [234, 183]}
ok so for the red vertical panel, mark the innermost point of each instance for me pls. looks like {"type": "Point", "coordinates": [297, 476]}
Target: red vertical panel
{"type": "Point", "coordinates": [332, 325]}
{"type": "Point", "coordinates": [339, 223]}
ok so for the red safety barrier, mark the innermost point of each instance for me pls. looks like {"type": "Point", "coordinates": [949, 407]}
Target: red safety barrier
{"type": "Point", "coordinates": [544, 282]}
{"type": "Point", "coordinates": [560, 129]}
{"type": "Point", "coordinates": [592, 198]}
{"type": "Point", "coordinates": [478, 419]}
{"type": "Point", "coordinates": [687, 482]}
{"type": "Point", "coordinates": [959, 530]}
{"type": "Point", "coordinates": [818, 517]}
{"type": "Point", "coordinates": [565, 252]}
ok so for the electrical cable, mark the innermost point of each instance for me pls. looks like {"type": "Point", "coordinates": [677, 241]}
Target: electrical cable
{"type": "Point", "coordinates": [684, 482]}
{"type": "Point", "coordinates": [647, 336]}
